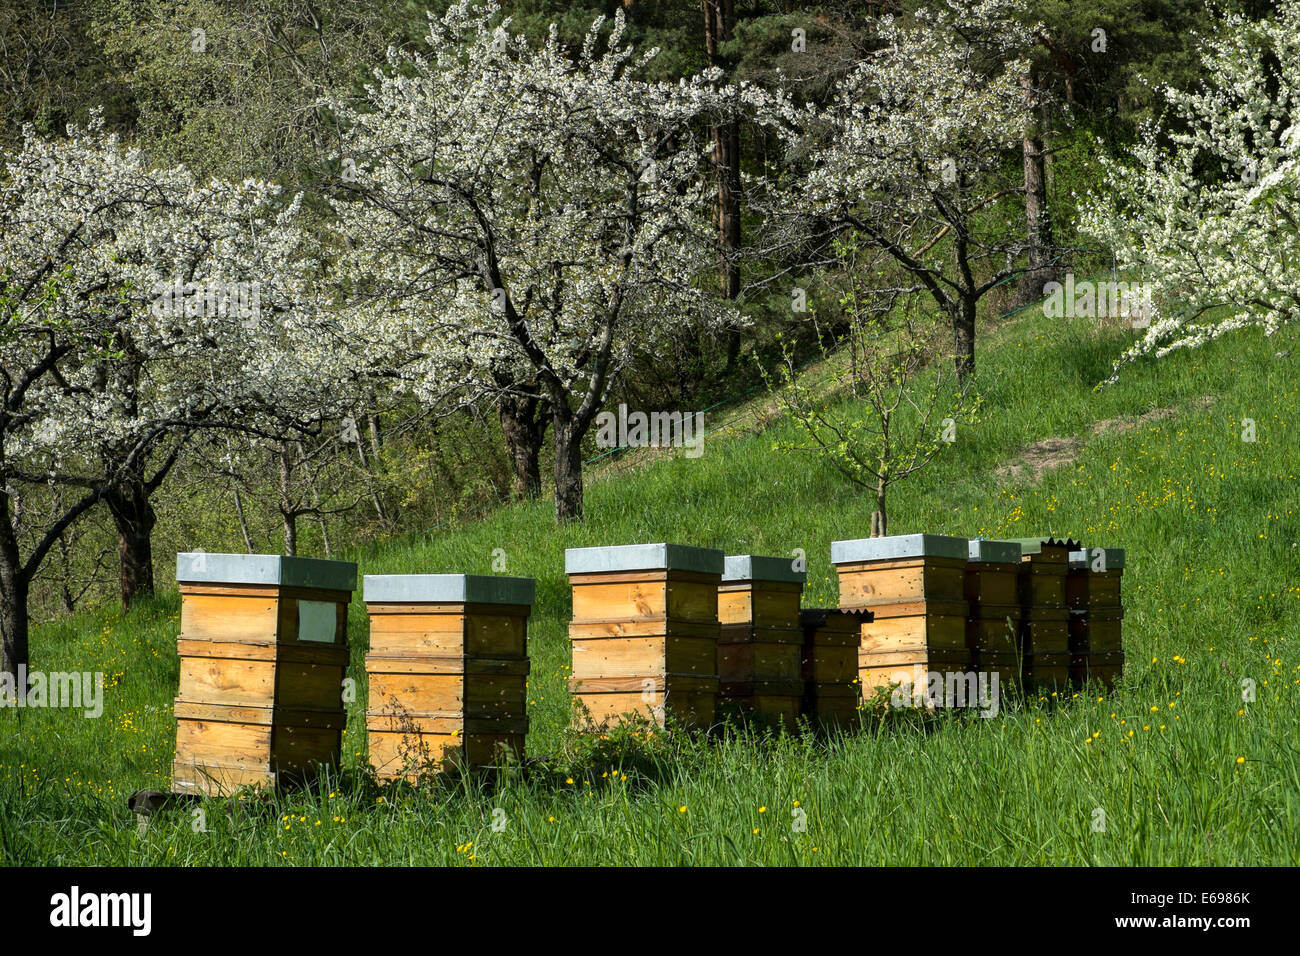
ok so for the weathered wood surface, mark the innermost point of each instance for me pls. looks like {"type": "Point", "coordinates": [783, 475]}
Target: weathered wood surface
{"type": "Point", "coordinates": [644, 638]}
{"type": "Point", "coordinates": [259, 701]}
{"type": "Point", "coordinates": [448, 680]}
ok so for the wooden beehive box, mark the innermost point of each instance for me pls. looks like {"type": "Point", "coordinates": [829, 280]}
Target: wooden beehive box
{"type": "Point", "coordinates": [448, 671]}
{"type": "Point", "coordinates": [760, 639]}
{"type": "Point", "coordinates": [993, 621]}
{"type": "Point", "coordinates": [1092, 592]}
{"type": "Point", "coordinates": [829, 664]}
{"type": "Point", "coordinates": [644, 632]}
{"type": "Point", "coordinates": [915, 586]}
{"type": "Point", "coordinates": [263, 648]}
{"type": "Point", "coordinates": [1044, 617]}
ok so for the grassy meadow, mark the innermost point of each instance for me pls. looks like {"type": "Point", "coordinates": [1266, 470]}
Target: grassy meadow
{"type": "Point", "coordinates": [1185, 770]}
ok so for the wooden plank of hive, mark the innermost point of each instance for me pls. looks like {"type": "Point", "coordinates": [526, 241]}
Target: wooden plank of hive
{"type": "Point", "coordinates": [692, 699]}
{"type": "Point", "coordinates": [994, 636]}
{"type": "Point", "coordinates": [1045, 671]}
{"type": "Point", "coordinates": [447, 671]}
{"type": "Point", "coordinates": [913, 580]}
{"type": "Point", "coordinates": [758, 660]}
{"type": "Point", "coordinates": [900, 569]}
{"type": "Point", "coordinates": [832, 679]}
{"type": "Point", "coordinates": [230, 614]}
{"type": "Point", "coordinates": [760, 591]}
{"type": "Point", "coordinates": [1094, 579]}
{"type": "Point", "coordinates": [902, 575]}
{"type": "Point", "coordinates": [1105, 667]}
{"type": "Point", "coordinates": [644, 631]}
{"type": "Point", "coordinates": [224, 743]}
{"type": "Point", "coordinates": [645, 595]}
{"type": "Point", "coordinates": [263, 651]}
{"type": "Point", "coordinates": [759, 651]}
{"type": "Point", "coordinates": [915, 586]}
{"type": "Point", "coordinates": [692, 650]}
{"type": "Point", "coordinates": [1043, 569]}
{"type": "Point", "coordinates": [992, 575]}
{"type": "Point", "coordinates": [1096, 614]}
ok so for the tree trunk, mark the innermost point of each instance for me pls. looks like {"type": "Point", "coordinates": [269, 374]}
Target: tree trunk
{"type": "Point", "coordinates": [134, 519]}
{"type": "Point", "coordinates": [719, 28]}
{"type": "Point", "coordinates": [65, 576]}
{"type": "Point", "coordinates": [524, 431]}
{"type": "Point", "coordinates": [14, 588]}
{"type": "Point", "coordinates": [290, 533]}
{"type": "Point", "coordinates": [239, 501]}
{"type": "Point", "coordinates": [1038, 223]}
{"type": "Point", "coordinates": [243, 521]}
{"type": "Point", "coordinates": [568, 469]}
{"type": "Point", "coordinates": [963, 329]}
{"type": "Point", "coordinates": [288, 513]}
{"type": "Point", "coordinates": [880, 517]}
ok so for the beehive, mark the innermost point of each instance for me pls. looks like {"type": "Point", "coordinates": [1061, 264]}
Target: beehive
{"type": "Point", "coordinates": [760, 639]}
{"type": "Point", "coordinates": [915, 586]}
{"type": "Point", "coordinates": [1044, 618]}
{"type": "Point", "coordinates": [447, 669]}
{"type": "Point", "coordinates": [993, 621]}
{"type": "Point", "coordinates": [829, 665]}
{"type": "Point", "coordinates": [644, 632]}
{"type": "Point", "coordinates": [1092, 593]}
{"type": "Point", "coordinates": [263, 648]}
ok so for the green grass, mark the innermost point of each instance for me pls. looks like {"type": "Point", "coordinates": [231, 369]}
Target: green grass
{"type": "Point", "coordinates": [1211, 595]}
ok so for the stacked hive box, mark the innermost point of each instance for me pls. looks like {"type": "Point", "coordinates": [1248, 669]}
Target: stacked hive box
{"type": "Point", "coordinates": [263, 648]}
{"type": "Point", "coordinates": [448, 670]}
{"type": "Point", "coordinates": [1092, 593]}
{"type": "Point", "coordinates": [645, 632]}
{"type": "Point", "coordinates": [760, 640]}
{"type": "Point", "coordinates": [993, 622]}
{"type": "Point", "coordinates": [830, 664]}
{"type": "Point", "coordinates": [1044, 628]}
{"type": "Point", "coordinates": [915, 586]}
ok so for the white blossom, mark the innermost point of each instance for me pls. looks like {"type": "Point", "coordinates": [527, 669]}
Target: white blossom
{"type": "Point", "coordinates": [1209, 221]}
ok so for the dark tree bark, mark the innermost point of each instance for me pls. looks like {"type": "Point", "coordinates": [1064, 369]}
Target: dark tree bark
{"type": "Point", "coordinates": [290, 532]}
{"type": "Point", "coordinates": [880, 517]}
{"type": "Point", "coordinates": [523, 423]}
{"type": "Point", "coordinates": [719, 28]}
{"type": "Point", "coordinates": [288, 513]}
{"type": "Point", "coordinates": [963, 330]}
{"type": "Point", "coordinates": [14, 586]}
{"type": "Point", "coordinates": [1038, 222]}
{"type": "Point", "coordinates": [130, 502]}
{"type": "Point", "coordinates": [568, 468]}
{"type": "Point", "coordinates": [134, 519]}
{"type": "Point", "coordinates": [16, 574]}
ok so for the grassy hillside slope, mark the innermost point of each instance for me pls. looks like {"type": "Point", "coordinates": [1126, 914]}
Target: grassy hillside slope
{"type": "Point", "coordinates": [1185, 771]}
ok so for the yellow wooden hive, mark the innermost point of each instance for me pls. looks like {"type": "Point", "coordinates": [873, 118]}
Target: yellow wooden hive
{"type": "Point", "coordinates": [1092, 593]}
{"type": "Point", "coordinates": [447, 670]}
{"type": "Point", "coordinates": [915, 586]}
{"type": "Point", "coordinates": [644, 633]}
{"type": "Point", "coordinates": [831, 639]}
{"type": "Point", "coordinates": [760, 640]}
{"type": "Point", "coordinates": [993, 621]}
{"type": "Point", "coordinates": [263, 649]}
{"type": "Point", "coordinates": [1044, 618]}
